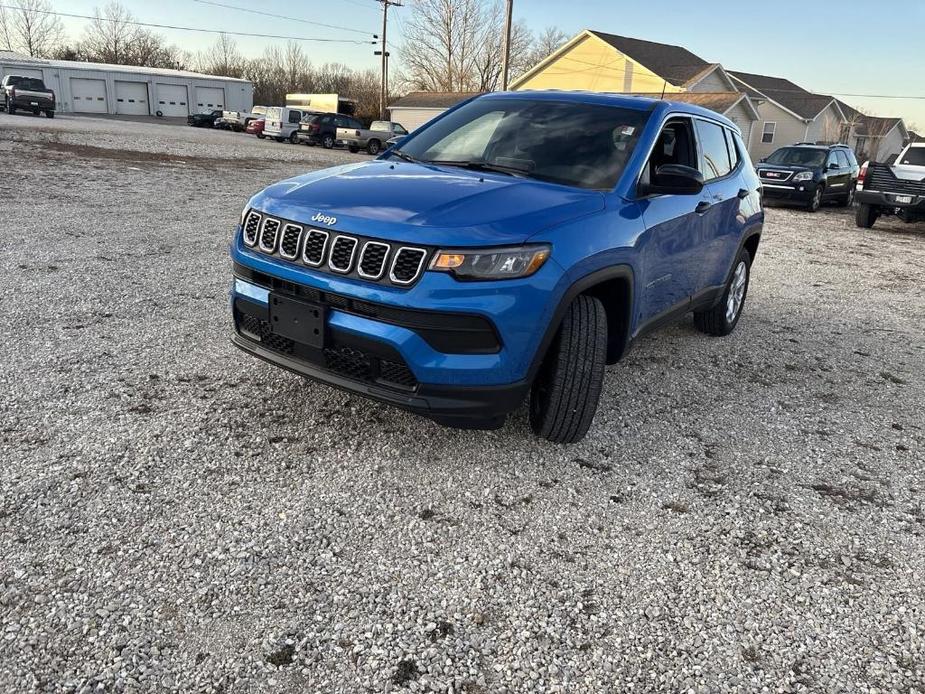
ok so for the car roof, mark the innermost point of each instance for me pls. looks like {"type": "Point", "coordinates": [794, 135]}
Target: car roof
{"type": "Point", "coordinates": [628, 101]}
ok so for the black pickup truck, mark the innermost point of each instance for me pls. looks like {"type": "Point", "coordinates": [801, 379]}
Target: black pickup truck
{"type": "Point", "coordinates": [18, 93]}
{"type": "Point", "coordinates": [897, 189]}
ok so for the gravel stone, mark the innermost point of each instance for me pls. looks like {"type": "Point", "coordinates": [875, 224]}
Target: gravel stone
{"type": "Point", "coordinates": [746, 513]}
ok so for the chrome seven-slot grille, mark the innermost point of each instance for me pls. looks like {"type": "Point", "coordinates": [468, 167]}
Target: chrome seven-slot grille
{"type": "Point", "coordinates": [328, 250]}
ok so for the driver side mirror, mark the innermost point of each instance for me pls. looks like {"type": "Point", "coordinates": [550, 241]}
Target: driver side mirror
{"type": "Point", "coordinates": [674, 179]}
{"type": "Point", "coordinates": [833, 166]}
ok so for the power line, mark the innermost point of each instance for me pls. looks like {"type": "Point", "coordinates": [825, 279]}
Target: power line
{"type": "Point", "coordinates": [181, 28]}
{"type": "Point", "coordinates": [282, 16]}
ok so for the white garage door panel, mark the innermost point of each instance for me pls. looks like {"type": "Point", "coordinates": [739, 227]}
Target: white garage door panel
{"type": "Point", "coordinates": [22, 72]}
{"type": "Point", "coordinates": [132, 98]}
{"type": "Point", "coordinates": [209, 99]}
{"type": "Point", "coordinates": [172, 100]}
{"type": "Point", "coordinates": [88, 96]}
{"type": "Point", "coordinates": [414, 118]}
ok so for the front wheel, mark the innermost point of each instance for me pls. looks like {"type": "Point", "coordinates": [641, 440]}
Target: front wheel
{"type": "Point", "coordinates": [10, 108]}
{"type": "Point", "coordinates": [568, 386]}
{"type": "Point", "coordinates": [260, 136]}
{"type": "Point", "coordinates": [816, 201]}
{"type": "Point", "coordinates": [49, 114]}
{"type": "Point", "coordinates": [722, 318]}
{"type": "Point", "coordinates": [865, 216]}
{"type": "Point", "coordinates": [327, 141]}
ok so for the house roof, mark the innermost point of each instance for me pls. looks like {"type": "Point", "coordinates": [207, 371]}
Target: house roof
{"type": "Point", "coordinates": [784, 92]}
{"type": "Point", "coordinates": [761, 83]}
{"type": "Point", "coordinates": [875, 126]}
{"type": "Point", "coordinates": [720, 102]}
{"type": "Point", "coordinates": [432, 99]}
{"type": "Point", "coordinates": [674, 64]}
{"type": "Point", "coordinates": [10, 57]}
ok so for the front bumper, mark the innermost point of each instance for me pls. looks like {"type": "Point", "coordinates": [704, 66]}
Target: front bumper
{"type": "Point", "coordinates": [796, 192]}
{"type": "Point", "coordinates": [378, 345]}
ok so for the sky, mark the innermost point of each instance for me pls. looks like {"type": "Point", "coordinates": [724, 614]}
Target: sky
{"type": "Point", "coordinates": [848, 47]}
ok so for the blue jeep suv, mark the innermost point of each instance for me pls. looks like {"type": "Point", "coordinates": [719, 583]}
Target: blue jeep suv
{"type": "Point", "coordinates": [511, 247]}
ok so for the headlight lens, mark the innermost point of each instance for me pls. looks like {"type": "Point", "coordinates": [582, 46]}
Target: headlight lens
{"type": "Point", "coordinates": [492, 263]}
{"type": "Point", "coordinates": [803, 176]}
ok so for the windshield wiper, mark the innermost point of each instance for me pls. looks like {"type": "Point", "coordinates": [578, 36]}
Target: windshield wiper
{"type": "Point", "coordinates": [401, 155]}
{"type": "Point", "coordinates": [483, 166]}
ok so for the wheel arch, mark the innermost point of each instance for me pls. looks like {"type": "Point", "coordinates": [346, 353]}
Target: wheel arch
{"type": "Point", "coordinates": [613, 286]}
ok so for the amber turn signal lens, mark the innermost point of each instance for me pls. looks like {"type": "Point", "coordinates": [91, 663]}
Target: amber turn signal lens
{"type": "Point", "coordinates": [448, 261]}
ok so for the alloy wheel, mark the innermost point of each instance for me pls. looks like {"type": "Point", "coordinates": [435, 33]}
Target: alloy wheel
{"type": "Point", "coordinates": [736, 291]}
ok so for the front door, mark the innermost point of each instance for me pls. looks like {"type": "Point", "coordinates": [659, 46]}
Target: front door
{"type": "Point", "coordinates": [673, 243]}
{"type": "Point", "coordinates": [838, 174]}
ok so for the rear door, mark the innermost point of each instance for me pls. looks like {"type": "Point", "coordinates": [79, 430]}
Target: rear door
{"type": "Point", "coordinates": [721, 164]}
{"type": "Point", "coordinates": [838, 174]}
{"type": "Point", "coordinates": [673, 244]}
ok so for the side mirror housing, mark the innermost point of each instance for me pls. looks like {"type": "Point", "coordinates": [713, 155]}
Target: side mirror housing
{"type": "Point", "coordinates": [674, 179]}
{"type": "Point", "coordinates": [762, 160]}
{"type": "Point", "coordinates": [833, 166]}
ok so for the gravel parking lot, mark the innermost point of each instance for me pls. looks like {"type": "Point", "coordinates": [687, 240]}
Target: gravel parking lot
{"type": "Point", "coordinates": [746, 513]}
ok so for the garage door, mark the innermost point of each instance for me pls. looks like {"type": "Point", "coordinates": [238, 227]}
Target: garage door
{"type": "Point", "coordinates": [88, 96]}
{"type": "Point", "coordinates": [172, 100]}
{"type": "Point", "coordinates": [132, 98]}
{"type": "Point", "coordinates": [413, 118]}
{"type": "Point", "coordinates": [22, 72]}
{"type": "Point", "coordinates": [209, 99]}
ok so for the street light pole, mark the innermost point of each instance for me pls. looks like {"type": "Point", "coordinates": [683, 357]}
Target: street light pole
{"type": "Point", "coordinates": [384, 84]}
{"type": "Point", "coordinates": [505, 67]}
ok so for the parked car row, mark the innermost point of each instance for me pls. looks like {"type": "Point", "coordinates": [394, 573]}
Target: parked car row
{"type": "Point", "coordinates": [302, 127]}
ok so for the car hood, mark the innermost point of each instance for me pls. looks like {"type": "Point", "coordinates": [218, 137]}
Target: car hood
{"type": "Point", "coordinates": [421, 203]}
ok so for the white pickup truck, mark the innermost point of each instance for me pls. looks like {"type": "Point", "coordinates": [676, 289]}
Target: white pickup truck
{"type": "Point", "coordinates": [897, 189]}
{"type": "Point", "coordinates": [372, 139]}
{"type": "Point", "coordinates": [239, 120]}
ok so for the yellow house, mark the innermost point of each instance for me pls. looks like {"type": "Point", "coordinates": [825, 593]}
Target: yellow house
{"type": "Point", "coordinates": [600, 62]}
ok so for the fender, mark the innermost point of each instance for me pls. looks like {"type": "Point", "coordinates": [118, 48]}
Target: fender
{"type": "Point", "coordinates": [751, 233]}
{"type": "Point", "coordinates": [581, 286]}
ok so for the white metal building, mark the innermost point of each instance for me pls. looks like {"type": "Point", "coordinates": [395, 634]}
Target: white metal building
{"type": "Point", "coordinates": [124, 89]}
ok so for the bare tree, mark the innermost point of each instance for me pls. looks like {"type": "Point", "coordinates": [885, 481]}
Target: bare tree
{"type": "Point", "coordinates": [223, 58]}
{"type": "Point", "coordinates": [28, 27]}
{"type": "Point", "coordinates": [546, 44]}
{"type": "Point", "coordinates": [109, 35]}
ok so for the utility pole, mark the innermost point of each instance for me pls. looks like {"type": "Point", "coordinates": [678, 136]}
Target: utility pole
{"type": "Point", "coordinates": [505, 68]}
{"type": "Point", "coordinates": [384, 85]}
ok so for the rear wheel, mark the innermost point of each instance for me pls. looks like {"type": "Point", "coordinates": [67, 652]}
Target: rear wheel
{"type": "Point", "coordinates": [49, 114]}
{"type": "Point", "coordinates": [294, 138]}
{"type": "Point", "coordinates": [723, 318]}
{"type": "Point", "coordinates": [9, 106]}
{"type": "Point", "coordinates": [848, 200]}
{"type": "Point", "coordinates": [353, 150]}
{"type": "Point", "coordinates": [327, 141]}
{"type": "Point", "coordinates": [373, 147]}
{"type": "Point", "coordinates": [568, 386]}
{"type": "Point", "coordinates": [865, 216]}
{"type": "Point", "coordinates": [260, 136]}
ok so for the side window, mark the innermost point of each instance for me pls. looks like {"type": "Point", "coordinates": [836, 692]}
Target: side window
{"type": "Point", "coordinates": [852, 160]}
{"type": "Point", "coordinates": [354, 123]}
{"type": "Point", "coordinates": [733, 151]}
{"type": "Point", "coordinates": [714, 153]}
{"type": "Point", "coordinates": [400, 130]}
{"type": "Point", "coordinates": [340, 122]}
{"type": "Point", "coordinates": [767, 134]}
{"type": "Point", "coordinates": [842, 159]}
{"type": "Point", "coordinates": [832, 159]}
{"type": "Point", "coordinates": [295, 116]}
{"type": "Point", "coordinates": [675, 145]}
{"type": "Point", "coordinates": [326, 120]}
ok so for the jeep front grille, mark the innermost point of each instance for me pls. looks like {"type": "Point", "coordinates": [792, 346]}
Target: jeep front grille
{"type": "Point", "coordinates": [343, 254]}
{"type": "Point", "coordinates": [407, 265]}
{"type": "Point", "coordinates": [372, 260]}
{"type": "Point", "coordinates": [251, 227]}
{"type": "Point", "coordinates": [342, 251]}
{"type": "Point", "coordinates": [289, 242]}
{"type": "Point", "coordinates": [269, 232]}
{"type": "Point", "coordinates": [316, 243]}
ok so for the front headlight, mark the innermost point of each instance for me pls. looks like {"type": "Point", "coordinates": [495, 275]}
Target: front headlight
{"type": "Point", "coordinates": [492, 263]}
{"type": "Point", "coordinates": [803, 176]}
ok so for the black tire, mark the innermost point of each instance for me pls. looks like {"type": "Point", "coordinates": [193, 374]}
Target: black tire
{"type": "Point", "coordinates": [353, 150]}
{"type": "Point", "coordinates": [716, 320]}
{"type": "Point", "coordinates": [865, 216]}
{"type": "Point", "coordinates": [568, 386]}
{"type": "Point", "coordinates": [294, 138]}
{"type": "Point", "coordinates": [816, 202]}
{"type": "Point", "coordinates": [10, 108]}
{"type": "Point", "coordinates": [848, 200]}
{"type": "Point", "coordinates": [327, 141]}
{"type": "Point", "coordinates": [49, 114]}
{"type": "Point", "coordinates": [280, 139]}
{"type": "Point", "coordinates": [260, 136]}
{"type": "Point", "coordinates": [373, 147]}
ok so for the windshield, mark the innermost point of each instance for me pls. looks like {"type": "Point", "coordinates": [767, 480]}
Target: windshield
{"type": "Point", "coordinates": [798, 156]}
{"type": "Point", "coordinates": [914, 156]}
{"type": "Point", "coordinates": [572, 143]}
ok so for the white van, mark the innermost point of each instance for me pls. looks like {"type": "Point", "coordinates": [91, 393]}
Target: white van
{"type": "Point", "coordinates": [282, 123]}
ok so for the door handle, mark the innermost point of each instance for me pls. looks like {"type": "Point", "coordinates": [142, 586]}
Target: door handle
{"type": "Point", "coordinates": [742, 194]}
{"type": "Point", "coordinates": [703, 206]}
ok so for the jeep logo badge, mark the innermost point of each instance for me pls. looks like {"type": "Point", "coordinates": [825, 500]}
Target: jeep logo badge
{"type": "Point", "coordinates": [324, 219]}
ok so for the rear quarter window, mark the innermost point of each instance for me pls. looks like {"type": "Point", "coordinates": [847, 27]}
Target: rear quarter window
{"type": "Point", "coordinates": [714, 152]}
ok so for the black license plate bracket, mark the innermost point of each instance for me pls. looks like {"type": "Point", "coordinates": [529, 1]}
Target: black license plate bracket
{"type": "Point", "coordinates": [298, 320]}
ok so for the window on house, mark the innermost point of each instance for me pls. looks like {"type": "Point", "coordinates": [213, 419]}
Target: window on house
{"type": "Point", "coordinates": [714, 152]}
{"type": "Point", "coordinates": [767, 135]}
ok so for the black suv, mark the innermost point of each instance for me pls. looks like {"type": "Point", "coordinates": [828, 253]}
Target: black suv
{"type": "Point", "coordinates": [203, 120]}
{"type": "Point", "coordinates": [809, 174]}
{"type": "Point", "coordinates": [321, 128]}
